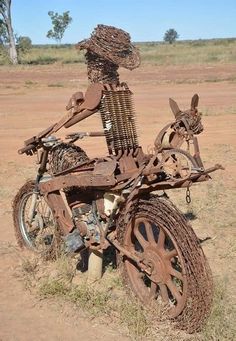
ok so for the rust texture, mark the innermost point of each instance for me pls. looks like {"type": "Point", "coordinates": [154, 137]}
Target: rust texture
{"type": "Point", "coordinates": [109, 200]}
{"type": "Point", "coordinates": [101, 70]}
{"type": "Point", "coordinates": [65, 156]}
{"type": "Point", "coordinates": [157, 222]}
{"type": "Point", "coordinates": [107, 49]}
{"type": "Point", "coordinates": [118, 118]}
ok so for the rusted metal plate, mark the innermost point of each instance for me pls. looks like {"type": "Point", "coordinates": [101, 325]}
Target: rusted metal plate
{"type": "Point", "coordinates": [78, 116]}
{"type": "Point", "coordinates": [164, 185]}
{"type": "Point", "coordinates": [81, 180]}
{"type": "Point", "coordinates": [76, 99]}
{"type": "Point", "coordinates": [92, 97]}
{"type": "Point", "coordinates": [60, 210]}
{"type": "Point", "coordinates": [127, 164]}
{"type": "Point", "coordinates": [105, 168]}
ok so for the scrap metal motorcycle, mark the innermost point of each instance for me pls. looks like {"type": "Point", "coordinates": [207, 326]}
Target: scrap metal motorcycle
{"type": "Point", "coordinates": [118, 200]}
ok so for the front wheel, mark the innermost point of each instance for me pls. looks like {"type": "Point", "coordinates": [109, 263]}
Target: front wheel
{"type": "Point", "coordinates": [180, 281]}
{"type": "Point", "coordinates": [34, 225]}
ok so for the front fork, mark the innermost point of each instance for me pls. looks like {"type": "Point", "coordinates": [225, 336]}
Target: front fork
{"type": "Point", "coordinates": [54, 199]}
{"type": "Point", "coordinates": [33, 210]}
{"type": "Point", "coordinates": [41, 170]}
{"type": "Point", "coordinates": [33, 204]}
{"type": "Point", "coordinates": [55, 202]}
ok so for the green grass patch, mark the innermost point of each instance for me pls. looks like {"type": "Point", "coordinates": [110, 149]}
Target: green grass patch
{"type": "Point", "coordinates": [135, 317]}
{"type": "Point", "coordinates": [93, 300]}
{"type": "Point", "coordinates": [51, 288]}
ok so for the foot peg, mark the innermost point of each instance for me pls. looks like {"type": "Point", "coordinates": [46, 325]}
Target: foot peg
{"type": "Point", "coordinates": [73, 242]}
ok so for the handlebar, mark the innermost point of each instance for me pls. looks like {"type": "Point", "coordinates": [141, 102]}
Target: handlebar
{"type": "Point", "coordinates": [34, 143]}
{"type": "Point", "coordinates": [80, 135]}
{"type": "Point", "coordinates": [28, 149]}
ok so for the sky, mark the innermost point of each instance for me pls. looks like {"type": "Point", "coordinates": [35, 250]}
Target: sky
{"type": "Point", "coordinates": [145, 20]}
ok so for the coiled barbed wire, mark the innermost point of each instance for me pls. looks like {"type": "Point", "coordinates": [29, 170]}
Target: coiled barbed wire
{"type": "Point", "coordinates": [100, 69]}
{"type": "Point", "coordinates": [112, 44]}
{"type": "Point", "coordinates": [65, 156]}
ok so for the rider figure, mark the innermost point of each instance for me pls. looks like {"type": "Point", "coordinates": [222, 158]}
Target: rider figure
{"type": "Point", "coordinates": [107, 49]}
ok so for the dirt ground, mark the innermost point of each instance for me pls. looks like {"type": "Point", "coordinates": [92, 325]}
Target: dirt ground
{"type": "Point", "coordinates": [32, 98]}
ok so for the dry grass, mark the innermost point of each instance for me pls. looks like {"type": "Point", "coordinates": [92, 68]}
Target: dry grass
{"type": "Point", "coordinates": [221, 324]}
{"type": "Point", "coordinates": [180, 53]}
{"type": "Point", "coordinates": [109, 301]}
{"type": "Point", "coordinates": [226, 110]}
{"type": "Point", "coordinates": [189, 52]}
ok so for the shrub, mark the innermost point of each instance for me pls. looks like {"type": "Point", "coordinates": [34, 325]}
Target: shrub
{"type": "Point", "coordinates": [24, 44]}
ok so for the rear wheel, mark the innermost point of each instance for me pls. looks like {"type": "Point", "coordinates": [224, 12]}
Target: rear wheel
{"type": "Point", "coordinates": [35, 227]}
{"type": "Point", "coordinates": [180, 281]}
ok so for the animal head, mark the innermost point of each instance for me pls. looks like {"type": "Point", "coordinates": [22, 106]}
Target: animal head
{"type": "Point", "coordinates": [191, 116]}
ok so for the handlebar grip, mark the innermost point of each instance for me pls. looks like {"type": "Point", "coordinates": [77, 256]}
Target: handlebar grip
{"type": "Point", "coordinates": [26, 149]}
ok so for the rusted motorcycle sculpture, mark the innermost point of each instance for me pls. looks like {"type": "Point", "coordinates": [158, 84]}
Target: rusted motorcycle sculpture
{"type": "Point", "coordinates": [118, 200]}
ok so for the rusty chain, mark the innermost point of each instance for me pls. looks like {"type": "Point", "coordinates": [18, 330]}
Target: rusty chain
{"type": "Point", "coordinates": [188, 196]}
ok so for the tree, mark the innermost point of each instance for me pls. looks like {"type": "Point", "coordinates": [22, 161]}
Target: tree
{"type": "Point", "coordinates": [60, 22]}
{"type": "Point", "coordinates": [170, 36]}
{"type": "Point", "coordinates": [6, 30]}
{"type": "Point", "coordinates": [24, 44]}
{"type": "Point", "coordinates": [3, 33]}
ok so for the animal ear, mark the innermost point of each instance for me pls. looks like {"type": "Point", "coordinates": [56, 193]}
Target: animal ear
{"type": "Point", "coordinates": [174, 107]}
{"type": "Point", "coordinates": [194, 101]}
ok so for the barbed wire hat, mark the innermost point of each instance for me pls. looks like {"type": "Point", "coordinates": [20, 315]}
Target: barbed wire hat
{"type": "Point", "coordinates": [113, 44]}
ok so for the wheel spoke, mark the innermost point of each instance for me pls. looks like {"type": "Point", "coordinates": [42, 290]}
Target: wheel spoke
{"type": "Point", "coordinates": [179, 168]}
{"type": "Point", "coordinates": [171, 166]}
{"type": "Point", "coordinates": [153, 290]}
{"type": "Point", "coordinates": [171, 254]}
{"type": "Point", "coordinates": [33, 234]}
{"type": "Point", "coordinates": [175, 273]}
{"type": "Point", "coordinates": [161, 277]}
{"type": "Point", "coordinates": [149, 232]}
{"type": "Point", "coordinates": [161, 239]}
{"type": "Point", "coordinates": [140, 237]}
{"type": "Point", "coordinates": [183, 171]}
{"type": "Point", "coordinates": [174, 291]}
{"type": "Point", "coordinates": [164, 292]}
